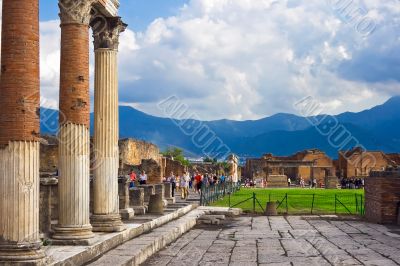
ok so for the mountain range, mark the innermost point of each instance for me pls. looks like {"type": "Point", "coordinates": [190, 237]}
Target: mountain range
{"type": "Point", "coordinates": [282, 134]}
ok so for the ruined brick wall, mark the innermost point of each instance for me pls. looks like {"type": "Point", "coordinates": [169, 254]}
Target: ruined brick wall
{"type": "Point", "coordinates": [153, 170]}
{"type": "Point", "coordinates": [132, 152]}
{"type": "Point", "coordinates": [355, 163]}
{"type": "Point", "coordinates": [382, 198]}
{"type": "Point", "coordinates": [175, 167]}
{"type": "Point", "coordinates": [19, 93]}
{"type": "Point", "coordinates": [48, 157]}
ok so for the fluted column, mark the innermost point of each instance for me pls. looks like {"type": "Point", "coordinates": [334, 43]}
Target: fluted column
{"type": "Point", "coordinates": [19, 134]}
{"type": "Point", "coordinates": [74, 135]}
{"type": "Point", "coordinates": [106, 215]}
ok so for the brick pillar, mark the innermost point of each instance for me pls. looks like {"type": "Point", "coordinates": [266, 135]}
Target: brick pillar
{"type": "Point", "coordinates": [19, 134]}
{"type": "Point", "coordinates": [106, 217]}
{"type": "Point", "coordinates": [74, 147]}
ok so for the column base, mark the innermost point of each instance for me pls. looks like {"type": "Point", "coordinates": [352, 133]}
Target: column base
{"type": "Point", "coordinates": [107, 223]}
{"type": "Point", "coordinates": [22, 254]}
{"type": "Point", "coordinates": [75, 236]}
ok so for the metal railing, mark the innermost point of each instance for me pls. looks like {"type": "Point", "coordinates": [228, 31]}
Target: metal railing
{"type": "Point", "coordinates": [210, 194]}
{"type": "Point", "coordinates": [290, 203]}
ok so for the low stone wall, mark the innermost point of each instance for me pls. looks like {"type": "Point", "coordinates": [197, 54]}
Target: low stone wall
{"type": "Point", "coordinates": [382, 197]}
{"type": "Point", "coordinates": [277, 181]}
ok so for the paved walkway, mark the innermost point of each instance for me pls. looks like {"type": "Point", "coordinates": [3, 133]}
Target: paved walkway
{"type": "Point", "coordinates": [294, 240]}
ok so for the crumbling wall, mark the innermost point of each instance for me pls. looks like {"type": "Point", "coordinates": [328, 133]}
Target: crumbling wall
{"type": "Point", "coordinates": [132, 152]}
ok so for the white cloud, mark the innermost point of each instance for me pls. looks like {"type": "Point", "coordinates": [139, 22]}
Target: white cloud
{"type": "Point", "coordinates": [245, 59]}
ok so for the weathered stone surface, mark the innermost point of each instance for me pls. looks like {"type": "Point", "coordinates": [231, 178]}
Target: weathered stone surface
{"type": "Point", "coordinates": [292, 240]}
{"type": "Point", "coordinates": [148, 191]}
{"type": "Point", "coordinates": [132, 152]}
{"type": "Point", "coordinates": [156, 204]}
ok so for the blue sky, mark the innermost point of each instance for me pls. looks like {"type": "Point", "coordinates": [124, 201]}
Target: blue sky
{"type": "Point", "coordinates": [246, 59]}
{"type": "Point", "coordinates": [137, 13]}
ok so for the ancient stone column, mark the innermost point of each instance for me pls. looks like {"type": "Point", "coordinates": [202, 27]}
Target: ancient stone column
{"type": "Point", "coordinates": [106, 217]}
{"type": "Point", "coordinates": [19, 133]}
{"type": "Point", "coordinates": [74, 147]}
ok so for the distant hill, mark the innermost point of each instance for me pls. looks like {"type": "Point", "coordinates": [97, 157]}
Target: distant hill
{"type": "Point", "coordinates": [377, 129]}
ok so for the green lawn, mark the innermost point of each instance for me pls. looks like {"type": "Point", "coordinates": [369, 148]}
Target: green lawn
{"type": "Point", "coordinates": [299, 201]}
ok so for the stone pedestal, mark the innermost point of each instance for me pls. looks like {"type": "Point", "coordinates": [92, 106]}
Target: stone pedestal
{"type": "Point", "coordinates": [106, 216]}
{"type": "Point", "coordinates": [148, 191]}
{"type": "Point", "coordinates": [277, 181]}
{"type": "Point", "coordinates": [136, 200]}
{"type": "Point", "coordinates": [156, 205]}
{"type": "Point", "coordinates": [331, 182]}
{"type": "Point", "coordinates": [48, 203]}
{"type": "Point", "coordinates": [270, 209]}
{"type": "Point", "coordinates": [168, 193]}
{"type": "Point", "coordinates": [125, 210]}
{"type": "Point", "coordinates": [159, 189]}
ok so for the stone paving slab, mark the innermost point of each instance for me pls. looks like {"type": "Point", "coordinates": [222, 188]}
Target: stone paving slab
{"type": "Point", "coordinates": [291, 240]}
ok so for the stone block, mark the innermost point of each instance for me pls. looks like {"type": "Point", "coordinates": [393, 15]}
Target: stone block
{"type": "Point", "coordinates": [331, 182]}
{"type": "Point", "coordinates": [270, 210]}
{"type": "Point", "coordinates": [127, 214]}
{"type": "Point", "coordinates": [277, 181]}
{"type": "Point", "coordinates": [136, 197]}
{"type": "Point", "coordinates": [148, 191]}
{"type": "Point", "coordinates": [156, 205]}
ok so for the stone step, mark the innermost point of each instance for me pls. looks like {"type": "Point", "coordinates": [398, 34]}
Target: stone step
{"type": "Point", "coordinates": [138, 250]}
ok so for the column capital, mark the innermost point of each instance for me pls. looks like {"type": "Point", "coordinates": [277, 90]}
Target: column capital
{"type": "Point", "coordinates": [106, 32]}
{"type": "Point", "coordinates": [75, 11]}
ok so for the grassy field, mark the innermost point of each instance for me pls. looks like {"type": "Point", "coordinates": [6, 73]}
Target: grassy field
{"type": "Point", "coordinates": [299, 201]}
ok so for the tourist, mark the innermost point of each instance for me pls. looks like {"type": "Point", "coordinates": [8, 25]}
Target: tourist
{"type": "Point", "coordinates": [302, 183]}
{"type": "Point", "coordinates": [314, 183]}
{"type": "Point", "coordinates": [143, 178]}
{"type": "Point", "coordinates": [132, 177]}
{"type": "Point", "coordinates": [198, 180]}
{"type": "Point", "coordinates": [184, 184]}
{"type": "Point", "coordinates": [172, 179]}
{"type": "Point", "coordinates": [289, 181]}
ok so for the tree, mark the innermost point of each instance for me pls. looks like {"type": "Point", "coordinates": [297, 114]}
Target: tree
{"type": "Point", "coordinates": [176, 154]}
{"type": "Point", "coordinates": [210, 160]}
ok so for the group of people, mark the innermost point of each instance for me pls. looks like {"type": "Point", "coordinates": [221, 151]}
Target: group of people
{"type": "Point", "coordinates": [352, 183]}
{"type": "Point", "coordinates": [184, 183]}
{"type": "Point", "coordinates": [133, 178]}
{"type": "Point", "coordinates": [194, 182]}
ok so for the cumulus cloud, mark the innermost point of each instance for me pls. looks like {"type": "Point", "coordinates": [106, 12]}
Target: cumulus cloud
{"type": "Point", "coordinates": [245, 59]}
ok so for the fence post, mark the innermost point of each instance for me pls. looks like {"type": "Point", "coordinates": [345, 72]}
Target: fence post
{"type": "Point", "coordinates": [287, 207]}
{"type": "Point", "coordinates": [335, 204]}
{"type": "Point", "coordinates": [254, 202]}
{"type": "Point", "coordinates": [312, 204]}
{"type": "Point", "coordinates": [356, 202]}
{"type": "Point", "coordinates": [201, 197]}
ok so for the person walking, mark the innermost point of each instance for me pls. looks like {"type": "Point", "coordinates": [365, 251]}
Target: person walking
{"type": "Point", "coordinates": [289, 181]}
{"type": "Point", "coordinates": [198, 180]}
{"type": "Point", "coordinates": [172, 179]}
{"type": "Point", "coordinates": [184, 184]}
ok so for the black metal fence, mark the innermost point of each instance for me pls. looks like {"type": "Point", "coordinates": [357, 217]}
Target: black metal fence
{"type": "Point", "coordinates": [210, 194]}
{"type": "Point", "coordinates": [299, 203]}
